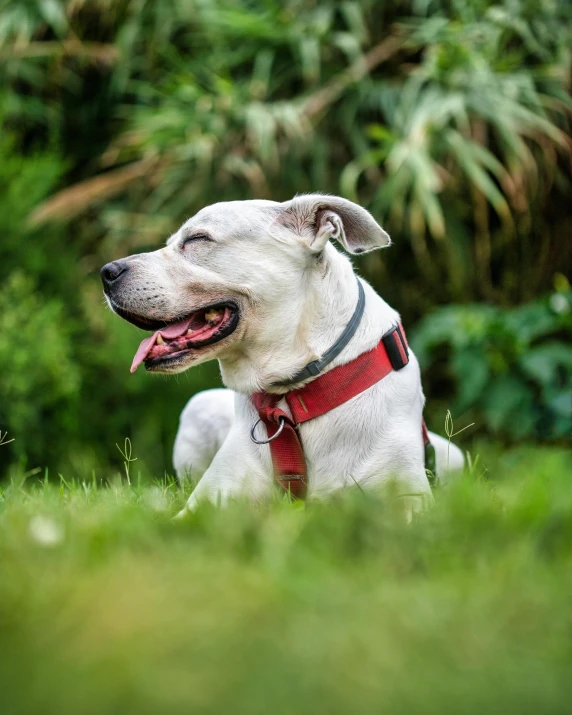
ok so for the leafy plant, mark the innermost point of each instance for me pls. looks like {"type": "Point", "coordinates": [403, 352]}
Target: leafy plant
{"type": "Point", "coordinates": [39, 375]}
{"type": "Point", "coordinates": [511, 369]}
{"type": "Point", "coordinates": [448, 121]}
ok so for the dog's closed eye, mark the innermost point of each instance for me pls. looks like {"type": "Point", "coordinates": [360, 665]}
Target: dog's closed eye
{"type": "Point", "coordinates": [195, 238]}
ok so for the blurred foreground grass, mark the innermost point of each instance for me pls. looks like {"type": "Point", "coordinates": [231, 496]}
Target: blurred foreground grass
{"type": "Point", "coordinates": [109, 606]}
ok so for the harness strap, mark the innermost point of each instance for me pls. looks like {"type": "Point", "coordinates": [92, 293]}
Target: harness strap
{"type": "Point", "coordinates": [314, 399]}
{"type": "Point", "coordinates": [290, 469]}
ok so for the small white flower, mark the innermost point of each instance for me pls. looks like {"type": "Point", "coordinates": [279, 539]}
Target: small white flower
{"type": "Point", "coordinates": [558, 303]}
{"type": "Point", "coordinates": [45, 531]}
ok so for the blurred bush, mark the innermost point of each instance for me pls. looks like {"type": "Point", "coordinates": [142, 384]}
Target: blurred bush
{"type": "Point", "coordinates": [64, 396]}
{"type": "Point", "coordinates": [511, 369]}
{"type": "Point", "coordinates": [35, 348]}
{"type": "Point", "coordinates": [450, 121]}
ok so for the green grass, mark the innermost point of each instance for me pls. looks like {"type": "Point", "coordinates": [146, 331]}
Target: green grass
{"type": "Point", "coordinates": [109, 606]}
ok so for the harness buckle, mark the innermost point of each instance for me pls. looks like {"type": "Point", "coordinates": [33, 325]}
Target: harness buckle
{"type": "Point", "coordinates": [314, 368]}
{"type": "Point", "coordinates": [396, 347]}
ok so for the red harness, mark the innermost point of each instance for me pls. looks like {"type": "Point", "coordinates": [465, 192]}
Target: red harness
{"type": "Point", "coordinates": [319, 396]}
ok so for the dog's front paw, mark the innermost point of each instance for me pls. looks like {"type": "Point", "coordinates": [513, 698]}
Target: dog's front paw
{"type": "Point", "coordinates": [191, 506]}
{"type": "Point", "coordinates": [411, 505]}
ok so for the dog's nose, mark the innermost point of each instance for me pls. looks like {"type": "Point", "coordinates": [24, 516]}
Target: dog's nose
{"type": "Point", "coordinates": [112, 271]}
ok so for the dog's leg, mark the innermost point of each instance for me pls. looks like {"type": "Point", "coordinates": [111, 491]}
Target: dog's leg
{"type": "Point", "coordinates": [236, 472]}
{"type": "Point", "coordinates": [449, 460]}
{"type": "Point", "coordinates": [410, 505]}
{"type": "Point", "coordinates": [403, 477]}
{"type": "Point", "coordinates": [203, 427]}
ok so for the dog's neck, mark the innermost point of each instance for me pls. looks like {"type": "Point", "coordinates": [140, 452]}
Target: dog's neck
{"type": "Point", "coordinates": [304, 326]}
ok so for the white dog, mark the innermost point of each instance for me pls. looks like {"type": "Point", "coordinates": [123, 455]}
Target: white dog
{"type": "Point", "coordinates": [259, 286]}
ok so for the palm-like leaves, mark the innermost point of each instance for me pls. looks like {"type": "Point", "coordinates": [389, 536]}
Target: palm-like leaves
{"type": "Point", "coordinates": [455, 114]}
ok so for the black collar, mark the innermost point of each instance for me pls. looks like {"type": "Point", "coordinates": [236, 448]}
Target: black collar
{"type": "Point", "coordinates": [314, 368]}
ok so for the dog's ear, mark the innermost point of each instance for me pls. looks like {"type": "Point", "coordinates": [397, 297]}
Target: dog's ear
{"type": "Point", "coordinates": [317, 218]}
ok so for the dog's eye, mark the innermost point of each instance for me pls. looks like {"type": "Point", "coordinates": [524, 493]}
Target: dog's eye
{"type": "Point", "coordinates": [194, 238]}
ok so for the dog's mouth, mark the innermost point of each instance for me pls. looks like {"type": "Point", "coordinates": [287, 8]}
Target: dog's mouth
{"type": "Point", "coordinates": [172, 340]}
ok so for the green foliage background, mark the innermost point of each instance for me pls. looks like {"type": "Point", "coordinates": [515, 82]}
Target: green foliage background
{"type": "Point", "coordinates": [449, 120]}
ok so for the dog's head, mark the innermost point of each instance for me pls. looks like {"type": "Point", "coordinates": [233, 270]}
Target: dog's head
{"type": "Point", "coordinates": [235, 269]}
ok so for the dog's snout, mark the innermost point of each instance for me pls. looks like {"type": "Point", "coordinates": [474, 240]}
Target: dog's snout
{"type": "Point", "coordinates": [112, 271]}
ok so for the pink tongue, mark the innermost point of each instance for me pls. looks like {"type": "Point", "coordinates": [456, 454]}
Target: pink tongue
{"type": "Point", "coordinates": [174, 330]}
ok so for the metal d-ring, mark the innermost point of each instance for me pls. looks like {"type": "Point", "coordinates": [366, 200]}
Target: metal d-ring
{"type": "Point", "coordinates": [281, 422]}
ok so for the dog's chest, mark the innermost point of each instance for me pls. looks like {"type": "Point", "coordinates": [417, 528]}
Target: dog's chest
{"type": "Point", "coordinates": [357, 439]}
